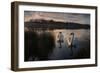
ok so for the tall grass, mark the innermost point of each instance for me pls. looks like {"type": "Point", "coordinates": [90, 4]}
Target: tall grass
{"type": "Point", "coordinates": [38, 46]}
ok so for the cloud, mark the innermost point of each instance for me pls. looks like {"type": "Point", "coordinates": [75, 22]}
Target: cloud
{"type": "Point", "coordinates": [65, 17]}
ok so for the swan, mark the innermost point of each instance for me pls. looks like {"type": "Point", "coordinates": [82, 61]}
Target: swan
{"type": "Point", "coordinates": [70, 42]}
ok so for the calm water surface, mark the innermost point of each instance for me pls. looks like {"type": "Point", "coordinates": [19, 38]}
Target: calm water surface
{"type": "Point", "coordinates": [81, 41]}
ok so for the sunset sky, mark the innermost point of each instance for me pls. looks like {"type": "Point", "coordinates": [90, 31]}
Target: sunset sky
{"type": "Point", "coordinates": [63, 17]}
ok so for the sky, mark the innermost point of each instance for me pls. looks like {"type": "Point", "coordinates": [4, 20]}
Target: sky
{"type": "Point", "coordinates": [57, 16]}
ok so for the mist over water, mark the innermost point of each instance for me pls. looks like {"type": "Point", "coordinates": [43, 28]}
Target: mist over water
{"type": "Point", "coordinates": [46, 45]}
{"type": "Point", "coordinates": [81, 41]}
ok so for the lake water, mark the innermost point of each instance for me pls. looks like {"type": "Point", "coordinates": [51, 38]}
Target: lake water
{"type": "Point", "coordinates": [80, 48]}
{"type": "Point", "coordinates": [81, 40]}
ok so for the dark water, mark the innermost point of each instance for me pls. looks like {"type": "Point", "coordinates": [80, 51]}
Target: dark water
{"type": "Point", "coordinates": [43, 45]}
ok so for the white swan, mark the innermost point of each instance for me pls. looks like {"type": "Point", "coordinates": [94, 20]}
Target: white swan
{"type": "Point", "coordinates": [70, 40]}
